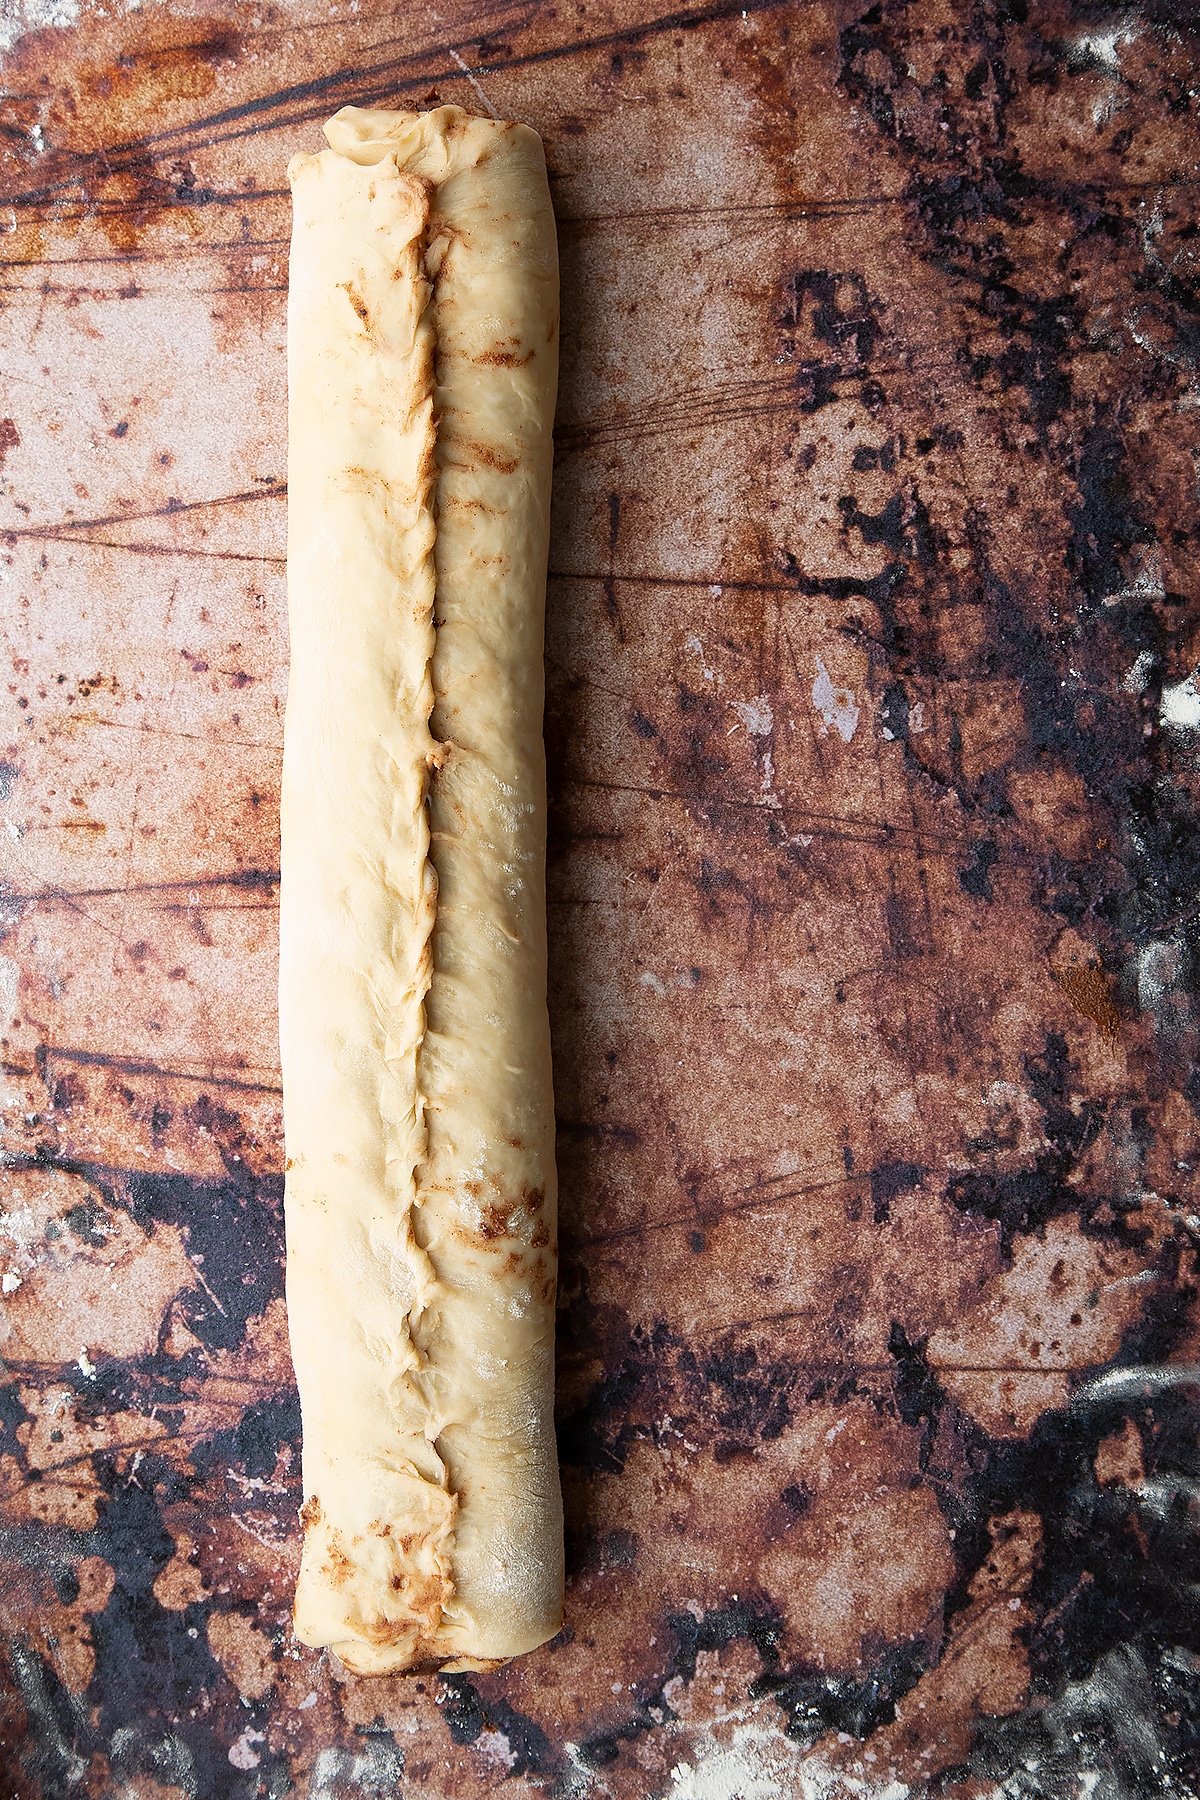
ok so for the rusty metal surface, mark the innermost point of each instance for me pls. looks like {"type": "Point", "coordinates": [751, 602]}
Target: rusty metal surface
{"type": "Point", "coordinates": [873, 881]}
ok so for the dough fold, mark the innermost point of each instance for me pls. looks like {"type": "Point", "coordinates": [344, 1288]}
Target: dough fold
{"type": "Point", "coordinates": [418, 1112]}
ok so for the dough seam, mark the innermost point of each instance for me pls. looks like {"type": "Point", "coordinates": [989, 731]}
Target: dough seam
{"type": "Point", "coordinates": [418, 1258]}
{"type": "Point", "coordinates": [424, 1274]}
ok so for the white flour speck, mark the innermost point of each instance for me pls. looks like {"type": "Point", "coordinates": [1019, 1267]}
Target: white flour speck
{"type": "Point", "coordinates": [19, 1225]}
{"type": "Point", "coordinates": [243, 1753]}
{"type": "Point", "coordinates": [1181, 704]}
{"type": "Point", "coordinates": [695, 645]}
{"type": "Point", "coordinates": [837, 706]}
{"type": "Point", "coordinates": [496, 1747]}
{"type": "Point", "coordinates": [1137, 679]}
{"type": "Point", "coordinates": [1102, 47]}
{"type": "Point", "coordinates": [9, 977]}
{"type": "Point", "coordinates": [756, 715]}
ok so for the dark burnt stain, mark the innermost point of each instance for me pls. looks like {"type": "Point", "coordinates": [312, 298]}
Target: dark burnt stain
{"type": "Point", "coordinates": [468, 1714]}
{"type": "Point", "coordinates": [598, 1434]}
{"type": "Point", "coordinates": [783, 1515]}
{"type": "Point", "coordinates": [696, 745]}
{"type": "Point", "coordinates": [1084, 1727]}
{"type": "Point", "coordinates": [612, 603]}
{"type": "Point", "coordinates": [67, 1092]}
{"type": "Point", "coordinates": [87, 685]}
{"type": "Point", "coordinates": [814, 1703]}
{"type": "Point", "coordinates": [723, 890]}
{"type": "Point", "coordinates": [719, 1628]}
{"type": "Point", "coordinates": [87, 1222]}
{"type": "Point", "coordinates": [163, 1654]}
{"type": "Point", "coordinates": [969, 195]}
{"type": "Point", "coordinates": [902, 526]}
{"type": "Point", "coordinates": [835, 309]}
{"type": "Point", "coordinates": [227, 1225]}
{"type": "Point", "coordinates": [919, 1397]}
{"type": "Point", "coordinates": [1105, 522]}
{"type": "Point", "coordinates": [976, 877]}
{"type": "Point", "coordinates": [748, 1397]}
{"type": "Point", "coordinates": [1023, 1200]}
{"type": "Point", "coordinates": [617, 1549]}
{"type": "Point", "coordinates": [265, 1431]}
{"type": "Point", "coordinates": [888, 1181]}
{"type": "Point", "coordinates": [1102, 1587]}
{"type": "Point", "coordinates": [10, 438]}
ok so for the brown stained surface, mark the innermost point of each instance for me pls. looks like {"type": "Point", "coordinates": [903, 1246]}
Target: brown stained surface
{"type": "Point", "coordinates": [873, 898]}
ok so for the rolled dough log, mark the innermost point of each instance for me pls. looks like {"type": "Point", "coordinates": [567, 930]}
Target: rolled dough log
{"type": "Point", "coordinates": [420, 1193]}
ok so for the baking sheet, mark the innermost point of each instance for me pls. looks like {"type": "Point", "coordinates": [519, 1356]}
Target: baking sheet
{"type": "Point", "coordinates": [873, 903]}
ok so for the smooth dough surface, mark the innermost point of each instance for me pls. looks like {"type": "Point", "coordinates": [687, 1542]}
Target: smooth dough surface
{"type": "Point", "coordinates": [420, 1190]}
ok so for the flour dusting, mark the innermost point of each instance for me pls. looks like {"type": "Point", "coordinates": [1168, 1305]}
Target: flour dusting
{"type": "Point", "coordinates": [1181, 704]}
{"type": "Point", "coordinates": [1101, 49]}
{"type": "Point", "coordinates": [761, 1763]}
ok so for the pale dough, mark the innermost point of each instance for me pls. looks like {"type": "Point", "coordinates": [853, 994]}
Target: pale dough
{"type": "Point", "coordinates": [420, 1191]}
